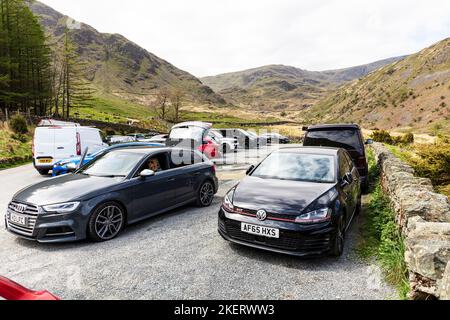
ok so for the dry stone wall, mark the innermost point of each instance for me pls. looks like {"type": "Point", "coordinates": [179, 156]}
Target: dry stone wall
{"type": "Point", "coordinates": [424, 218]}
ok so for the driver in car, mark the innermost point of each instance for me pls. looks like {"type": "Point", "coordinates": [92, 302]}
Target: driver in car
{"type": "Point", "coordinates": [153, 164]}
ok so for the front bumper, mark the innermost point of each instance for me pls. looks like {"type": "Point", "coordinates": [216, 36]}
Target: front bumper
{"type": "Point", "coordinates": [49, 227]}
{"type": "Point", "coordinates": [295, 239]}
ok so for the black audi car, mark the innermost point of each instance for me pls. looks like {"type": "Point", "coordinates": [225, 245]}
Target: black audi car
{"type": "Point", "coordinates": [298, 201]}
{"type": "Point", "coordinates": [120, 187]}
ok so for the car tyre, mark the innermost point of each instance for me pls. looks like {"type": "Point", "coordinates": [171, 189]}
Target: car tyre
{"type": "Point", "coordinates": [43, 172]}
{"type": "Point", "coordinates": [338, 241]}
{"type": "Point", "coordinates": [358, 207]}
{"type": "Point", "coordinates": [205, 194]}
{"type": "Point", "coordinates": [106, 222]}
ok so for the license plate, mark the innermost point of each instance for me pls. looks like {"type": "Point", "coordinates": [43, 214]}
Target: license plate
{"type": "Point", "coordinates": [18, 219]}
{"type": "Point", "coordinates": [44, 160]}
{"type": "Point", "coordinates": [260, 230]}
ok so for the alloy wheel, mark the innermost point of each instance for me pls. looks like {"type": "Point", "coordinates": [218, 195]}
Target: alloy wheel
{"type": "Point", "coordinates": [108, 222]}
{"type": "Point", "coordinates": [206, 194]}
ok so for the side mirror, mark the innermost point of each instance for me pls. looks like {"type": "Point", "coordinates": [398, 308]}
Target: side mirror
{"type": "Point", "coordinates": [250, 169]}
{"type": "Point", "coordinates": [71, 167]}
{"type": "Point", "coordinates": [347, 179]}
{"type": "Point", "coordinates": [369, 141]}
{"type": "Point", "coordinates": [147, 173]}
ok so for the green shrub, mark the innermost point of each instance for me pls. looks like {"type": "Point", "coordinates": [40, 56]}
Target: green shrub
{"type": "Point", "coordinates": [20, 137]}
{"type": "Point", "coordinates": [18, 124]}
{"type": "Point", "coordinates": [384, 137]}
{"type": "Point", "coordinates": [433, 162]}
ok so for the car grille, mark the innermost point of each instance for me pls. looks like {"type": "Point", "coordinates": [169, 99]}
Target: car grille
{"type": "Point", "coordinates": [29, 211]}
{"type": "Point", "coordinates": [288, 240]}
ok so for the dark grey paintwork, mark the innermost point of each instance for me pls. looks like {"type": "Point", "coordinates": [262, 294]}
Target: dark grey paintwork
{"type": "Point", "coordinates": [140, 197]}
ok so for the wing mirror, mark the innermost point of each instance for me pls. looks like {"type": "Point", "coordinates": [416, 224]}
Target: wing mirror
{"type": "Point", "coordinates": [71, 167]}
{"type": "Point", "coordinates": [347, 179]}
{"type": "Point", "coordinates": [250, 169]}
{"type": "Point", "coordinates": [369, 141]}
{"type": "Point", "coordinates": [147, 173]}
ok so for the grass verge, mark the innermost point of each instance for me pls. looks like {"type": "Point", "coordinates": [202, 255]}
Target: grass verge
{"type": "Point", "coordinates": [381, 238]}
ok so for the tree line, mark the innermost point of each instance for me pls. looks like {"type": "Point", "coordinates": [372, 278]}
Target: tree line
{"type": "Point", "coordinates": [37, 77]}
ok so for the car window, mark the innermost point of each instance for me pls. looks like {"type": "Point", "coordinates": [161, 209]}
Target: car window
{"type": "Point", "coordinates": [114, 163]}
{"type": "Point", "coordinates": [156, 162]}
{"type": "Point", "coordinates": [346, 139]}
{"type": "Point", "coordinates": [298, 167]}
{"type": "Point", "coordinates": [181, 158]}
{"type": "Point", "coordinates": [344, 165]}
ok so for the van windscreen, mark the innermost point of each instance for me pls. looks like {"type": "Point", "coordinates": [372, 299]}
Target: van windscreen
{"type": "Point", "coordinates": [346, 139]}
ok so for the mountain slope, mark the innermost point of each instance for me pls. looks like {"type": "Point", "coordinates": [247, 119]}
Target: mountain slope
{"type": "Point", "coordinates": [119, 67]}
{"type": "Point", "coordinates": [276, 87]}
{"type": "Point", "coordinates": [412, 93]}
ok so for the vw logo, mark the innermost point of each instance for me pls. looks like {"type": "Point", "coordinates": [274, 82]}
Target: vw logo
{"type": "Point", "coordinates": [261, 215]}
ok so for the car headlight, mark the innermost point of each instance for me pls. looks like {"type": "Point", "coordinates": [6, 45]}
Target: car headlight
{"type": "Point", "coordinates": [228, 201]}
{"type": "Point", "coordinates": [315, 216]}
{"type": "Point", "coordinates": [62, 207]}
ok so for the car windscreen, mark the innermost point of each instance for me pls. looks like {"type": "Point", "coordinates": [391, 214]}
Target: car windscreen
{"type": "Point", "coordinates": [194, 133]}
{"type": "Point", "coordinates": [117, 163]}
{"type": "Point", "coordinates": [297, 167]}
{"type": "Point", "coordinates": [346, 139]}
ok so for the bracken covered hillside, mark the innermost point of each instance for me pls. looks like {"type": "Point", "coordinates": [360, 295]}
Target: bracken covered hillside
{"type": "Point", "coordinates": [412, 93]}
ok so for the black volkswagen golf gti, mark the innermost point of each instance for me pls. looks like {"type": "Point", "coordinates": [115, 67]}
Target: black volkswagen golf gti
{"type": "Point", "coordinates": [297, 201]}
{"type": "Point", "coordinates": [117, 188]}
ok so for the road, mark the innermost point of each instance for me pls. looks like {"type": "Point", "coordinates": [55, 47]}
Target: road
{"type": "Point", "coordinates": [179, 255]}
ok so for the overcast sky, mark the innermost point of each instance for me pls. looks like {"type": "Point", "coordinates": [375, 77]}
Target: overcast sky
{"type": "Point", "coordinates": [208, 37]}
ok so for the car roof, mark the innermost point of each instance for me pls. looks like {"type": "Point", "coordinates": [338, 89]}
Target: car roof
{"type": "Point", "coordinates": [142, 150]}
{"type": "Point", "coordinates": [334, 126]}
{"type": "Point", "coordinates": [311, 150]}
{"type": "Point", "coordinates": [204, 125]}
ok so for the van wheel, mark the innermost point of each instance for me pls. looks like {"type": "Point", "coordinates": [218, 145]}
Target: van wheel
{"type": "Point", "coordinates": [205, 194]}
{"type": "Point", "coordinates": [106, 222]}
{"type": "Point", "coordinates": [43, 172]}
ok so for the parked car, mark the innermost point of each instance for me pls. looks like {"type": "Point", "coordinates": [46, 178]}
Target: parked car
{"type": "Point", "coordinates": [66, 165]}
{"type": "Point", "coordinates": [11, 290]}
{"type": "Point", "coordinates": [346, 136]}
{"type": "Point", "coordinates": [246, 139]}
{"type": "Point", "coordinates": [227, 144]}
{"type": "Point", "coordinates": [194, 135]}
{"type": "Point", "coordinates": [273, 137]}
{"type": "Point", "coordinates": [119, 139]}
{"type": "Point", "coordinates": [51, 143]}
{"type": "Point", "coordinates": [296, 201]}
{"type": "Point", "coordinates": [118, 188]}
{"type": "Point", "coordinates": [137, 136]}
{"type": "Point", "coordinates": [159, 138]}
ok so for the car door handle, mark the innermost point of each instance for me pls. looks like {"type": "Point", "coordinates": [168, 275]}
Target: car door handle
{"type": "Point", "coordinates": [196, 173]}
{"type": "Point", "coordinates": [171, 179]}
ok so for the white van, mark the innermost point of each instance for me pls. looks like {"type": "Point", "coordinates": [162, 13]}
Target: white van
{"type": "Point", "coordinates": [55, 142]}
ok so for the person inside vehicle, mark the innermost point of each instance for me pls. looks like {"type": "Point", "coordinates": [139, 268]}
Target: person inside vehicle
{"type": "Point", "coordinates": [154, 165]}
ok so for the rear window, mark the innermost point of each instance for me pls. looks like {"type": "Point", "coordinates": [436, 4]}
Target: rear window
{"type": "Point", "coordinates": [346, 139]}
{"type": "Point", "coordinates": [195, 133]}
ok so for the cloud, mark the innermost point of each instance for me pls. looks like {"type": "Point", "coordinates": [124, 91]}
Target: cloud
{"type": "Point", "coordinates": [206, 37]}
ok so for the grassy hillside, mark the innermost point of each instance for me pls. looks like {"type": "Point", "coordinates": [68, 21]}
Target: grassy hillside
{"type": "Point", "coordinates": [116, 66]}
{"type": "Point", "coordinates": [279, 87]}
{"type": "Point", "coordinates": [410, 94]}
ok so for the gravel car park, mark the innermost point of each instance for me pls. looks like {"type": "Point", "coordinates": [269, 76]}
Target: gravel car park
{"type": "Point", "coordinates": [180, 255]}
